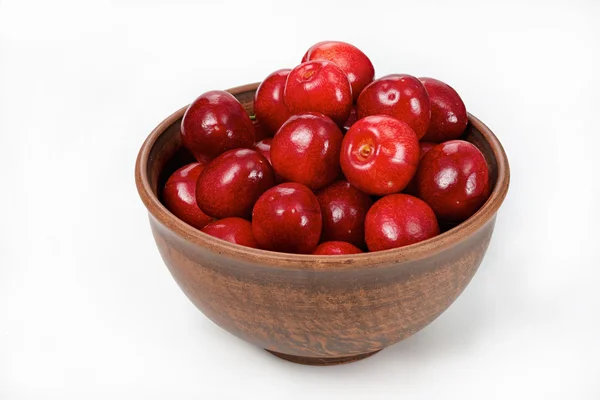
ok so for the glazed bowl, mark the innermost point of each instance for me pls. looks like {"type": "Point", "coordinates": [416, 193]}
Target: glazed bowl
{"type": "Point", "coordinates": [317, 310]}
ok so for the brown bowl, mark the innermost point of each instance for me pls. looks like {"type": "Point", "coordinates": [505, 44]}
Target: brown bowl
{"type": "Point", "coordinates": [317, 310]}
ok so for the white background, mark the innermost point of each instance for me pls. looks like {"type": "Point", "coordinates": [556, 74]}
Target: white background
{"type": "Point", "coordinates": [89, 311]}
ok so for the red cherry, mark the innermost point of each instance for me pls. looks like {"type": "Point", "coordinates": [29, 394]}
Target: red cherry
{"type": "Point", "coordinates": [379, 155]}
{"type": "Point", "coordinates": [234, 230]}
{"type": "Point", "coordinates": [335, 248]}
{"type": "Point", "coordinates": [260, 131]}
{"type": "Point", "coordinates": [352, 118]}
{"type": "Point", "coordinates": [344, 209]}
{"type": "Point", "coordinates": [179, 196]}
{"type": "Point", "coordinates": [214, 123]}
{"type": "Point", "coordinates": [264, 146]}
{"type": "Point", "coordinates": [268, 100]}
{"type": "Point", "coordinates": [448, 112]}
{"type": "Point", "coordinates": [231, 183]}
{"type": "Point", "coordinates": [400, 96]}
{"type": "Point", "coordinates": [453, 179]}
{"type": "Point", "coordinates": [319, 86]}
{"type": "Point", "coordinates": [424, 147]}
{"type": "Point", "coordinates": [287, 218]}
{"type": "Point", "coordinates": [306, 149]}
{"type": "Point", "coordinates": [349, 58]}
{"type": "Point", "coordinates": [399, 220]}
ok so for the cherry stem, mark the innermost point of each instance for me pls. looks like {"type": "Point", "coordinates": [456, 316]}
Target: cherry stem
{"type": "Point", "coordinates": [365, 150]}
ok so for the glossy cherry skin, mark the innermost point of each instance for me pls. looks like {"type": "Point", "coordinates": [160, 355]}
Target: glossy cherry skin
{"type": "Point", "coordinates": [231, 183]}
{"type": "Point", "coordinates": [399, 95]}
{"type": "Point", "coordinates": [379, 155]}
{"type": "Point", "coordinates": [234, 230]}
{"type": "Point", "coordinates": [319, 86]}
{"type": "Point", "coordinates": [343, 208]}
{"type": "Point", "coordinates": [352, 118]}
{"type": "Point", "coordinates": [269, 107]}
{"type": "Point", "coordinates": [453, 179]}
{"type": "Point", "coordinates": [349, 58]}
{"type": "Point", "coordinates": [264, 146]}
{"type": "Point", "coordinates": [335, 249]}
{"type": "Point", "coordinates": [424, 147]}
{"type": "Point", "coordinates": [214, 123]}
{"type": "Point", "coordinates": [399, 220]}
{"type": "Point", "coordinates": [179, 195]}
{"type": "Point", "coordinates": [287, 218]}
{"type": "Point", "coordinates": [306, 149]}
{"type": "Point", "coordinates": [448, 112]}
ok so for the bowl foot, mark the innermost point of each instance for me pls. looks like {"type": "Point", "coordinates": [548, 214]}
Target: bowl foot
{"type": "Point", "coordinates": [322, 361]}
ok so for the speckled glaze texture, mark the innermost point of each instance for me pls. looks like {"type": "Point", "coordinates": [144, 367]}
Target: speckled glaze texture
{"type": "Point", "coordinates": [214, 123]}
{"type": "Point", "coordinates": [343, 208]}
{"type": "Point", "coordinates": [269, 107]}
{"type": "Point", "coordinates": [179, 195]}
{"type": "Point", "coordinates": [379, 155]}
{"type": "Point", "coordinates": [231, 183]}
{"type": "Point", "coordinates": [398, 95]}
{"type": "Point", "coordinates": [287, 218]}
{"type": "Point", "coordinates": [349, 58]}
{"type": "Point", "coordinates": [319, 86]}
{"type": "Point", "coordinates": [448, 112]}
{"type": "Point", "coordinates": [336, 249]}
{"type": "Point", "coordinates": [233, 230]}
{"type": "Point", "coordinates": [453, 178]}
{"type": "Point", "coordinates": [317, 310]}
{"type": "Point", "coordinates": [398, 220]}
{"type": "Point", "coordinates": [306, 149]}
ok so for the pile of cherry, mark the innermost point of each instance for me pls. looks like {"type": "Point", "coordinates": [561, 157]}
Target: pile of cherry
{"type": "Point", "coordinates": [333, 162]}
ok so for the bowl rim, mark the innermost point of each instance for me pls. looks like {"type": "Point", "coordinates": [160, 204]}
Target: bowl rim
{"type": "Point", "coordinates": [335, 263]}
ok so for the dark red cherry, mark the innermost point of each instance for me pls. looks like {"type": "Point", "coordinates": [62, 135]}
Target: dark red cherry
{"type": "Point", "coordinates": [399, 95]}
{"type": "Point", "coordinates": [343, 208]}
{"type": "Point", "coordinates": [287, 218]}
{"type": "Point", "coordinates": [319, 86]}
{"type": "Point", "coordinates": [336, 248]}
{"type": "Point", "coordinates": [231, 183]}
{"type": "Point", "coordinates": [379, 155]}
{"type": "Point", "coordinates": [234, 230]}
{"type": "Point", "coordinates": [453, 178]}
{"type": "Point", "coordinates": [349, 58]}
{"type": "Point", "coordinates": [269, 106]}
{"type": "Point", "coordinates": [260, 131]}
{"type": "Point", "coordinates": [214, 123]}
{"type": "Point", "coordinates": [179, 195]}
{"type": "Point", "coordinates": [264, 146]}
{"type": "Point", "coordinates": [424, 147]}
{"type": "Point", "coordinates": [306, 149]}
{"type": "Point", "coordinates": [398, 220]}
{"type": "Point", "coordinates": [448, 112]}
{"type": "Point", "coordinates": [352, 118]}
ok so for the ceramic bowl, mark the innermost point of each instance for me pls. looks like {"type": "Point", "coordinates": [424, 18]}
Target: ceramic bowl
{"type": "Point", "coordinates": [317, 310]}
